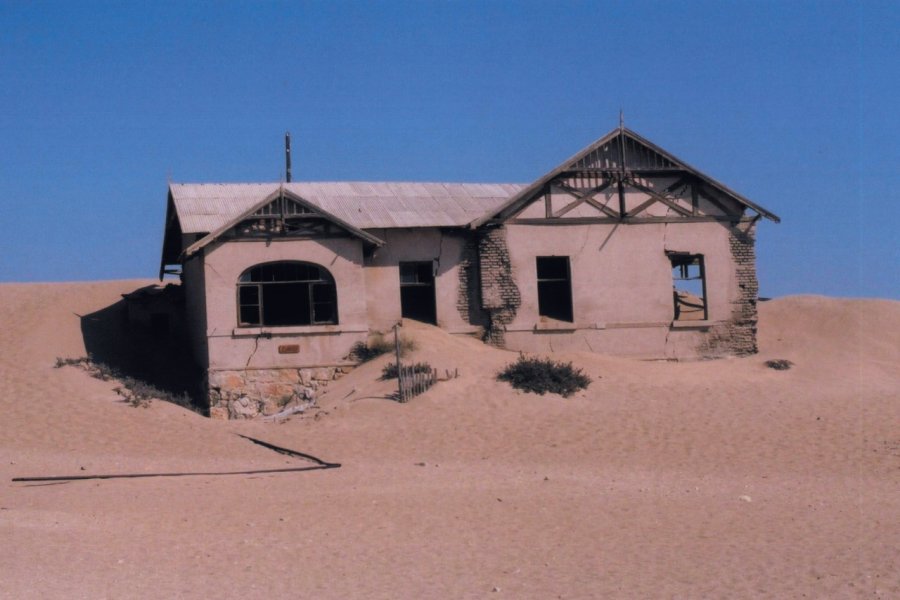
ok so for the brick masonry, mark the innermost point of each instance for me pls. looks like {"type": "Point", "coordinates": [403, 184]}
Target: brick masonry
{"type": "Point", "coordinates": [500, 295]}
{"type": "Point", "coordinates": [738, 335]}
{"type": "Point", "coordinates": [468, 299]}
{"type": "Point", "coordinates": [245, 394]}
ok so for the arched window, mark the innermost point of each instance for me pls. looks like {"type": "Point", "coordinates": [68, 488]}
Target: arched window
{"type": "Point", "coordinates": [286, 293]}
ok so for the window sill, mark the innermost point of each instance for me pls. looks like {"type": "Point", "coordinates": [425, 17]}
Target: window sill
{"type": "Point", "coordinates": [297, 330]}
{"type": "Point", "coordinates": [551, 326]}
{"type": "Point", "coordinates": [692, 324]}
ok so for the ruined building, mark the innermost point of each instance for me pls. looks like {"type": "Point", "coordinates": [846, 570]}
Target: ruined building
{"type": "Point", "coordinates": [622, 249]}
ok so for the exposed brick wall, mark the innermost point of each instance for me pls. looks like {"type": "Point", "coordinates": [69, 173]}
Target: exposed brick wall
{"type": "Point", "coordinates": [500, 296]}
{"type": "Point", "coordinates": [738, 335]}
{"type": "Point", "coordinates": [468, 298]}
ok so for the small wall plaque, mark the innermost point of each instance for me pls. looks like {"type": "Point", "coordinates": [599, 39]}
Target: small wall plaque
{"type": "Point", "coordinates": [289, 349]}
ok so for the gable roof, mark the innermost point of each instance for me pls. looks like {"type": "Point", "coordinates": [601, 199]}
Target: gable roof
{"type": "Point", "coordinates": [210, 209]}
{"type": "Point", "coordinates": [206, 207]}
{"type": "Point", "coordinates": [604, 154]}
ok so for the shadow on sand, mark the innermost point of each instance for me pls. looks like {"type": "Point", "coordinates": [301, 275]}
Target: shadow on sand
{"type": "Point", "coordinates": [143, 336]}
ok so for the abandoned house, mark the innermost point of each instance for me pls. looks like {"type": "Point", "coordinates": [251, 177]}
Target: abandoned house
{"type": "Point", "coordinates": [622, 249]}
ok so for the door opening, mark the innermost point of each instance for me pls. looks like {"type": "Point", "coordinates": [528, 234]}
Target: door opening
{"type": "Point", "coordinates": [417, 292]}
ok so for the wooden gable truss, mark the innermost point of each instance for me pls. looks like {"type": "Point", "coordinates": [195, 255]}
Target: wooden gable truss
{"type": "Point", "coordinates": [284, 215]}
{"type": "Point", "coordinates": [623, 178]}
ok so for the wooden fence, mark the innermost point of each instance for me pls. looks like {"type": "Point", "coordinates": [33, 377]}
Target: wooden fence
{"type": "Point", "coordinates": [413, 382]}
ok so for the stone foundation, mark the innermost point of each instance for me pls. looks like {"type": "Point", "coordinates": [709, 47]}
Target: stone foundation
{"type": "Point", "coordinates": [245, 394]}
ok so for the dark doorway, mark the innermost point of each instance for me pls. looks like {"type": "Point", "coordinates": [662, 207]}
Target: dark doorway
{"type": "Point", "coordinates": [417, 292]}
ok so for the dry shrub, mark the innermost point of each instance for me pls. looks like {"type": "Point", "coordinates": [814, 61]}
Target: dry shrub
{"type": "Point", "coordinates": [378, 345]}
{"type": "Point", "coordinates": [542, 375]}
{"type": "Point", "coordinates": [779, 364]}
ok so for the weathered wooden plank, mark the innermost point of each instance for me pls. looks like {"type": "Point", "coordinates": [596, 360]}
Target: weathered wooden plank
{"type": "Point", "coordinates": [602, 207]}
{"type": "Point", "coordinates": [582, 197]}
{"type": "Point", "coordinates": [660, 198]}
{"type": "Point", "coordinates": [669, 189]}
{"type": "Point", "coordinates": [714, 201]}
{"type": "Point", "coordinates": [641, 207]}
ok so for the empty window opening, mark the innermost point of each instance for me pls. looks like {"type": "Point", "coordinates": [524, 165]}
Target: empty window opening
{"type": "Point", "coordinates": [286, 293]}
{"type": "Point", "coordinates": [689, 287]}
{"type": "Point", "coordinates": [417, 299]}
{"type": "Point", "coordinates": [554, 284]}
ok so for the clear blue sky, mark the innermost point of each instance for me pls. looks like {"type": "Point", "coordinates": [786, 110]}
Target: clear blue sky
{"type": "Point", "coordinates": [793, 104]}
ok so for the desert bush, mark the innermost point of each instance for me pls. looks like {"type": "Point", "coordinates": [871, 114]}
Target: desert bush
{"type": "Point", "coordinates": [779, 364]}
{"type": "Point", "coordinates": [97, 370]}
{"type": "Point", "coordinates": [378, 345]}
{"type": "Point", "coordinates": [390, 370]}
{"type": "Point", "coordinates": [139, 393]}
{"type": "Point", "coordinates": [541, 375]}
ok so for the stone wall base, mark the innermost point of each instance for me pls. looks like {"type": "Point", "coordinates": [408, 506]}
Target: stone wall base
{"type": "Point", "coordinates": [245, 394]}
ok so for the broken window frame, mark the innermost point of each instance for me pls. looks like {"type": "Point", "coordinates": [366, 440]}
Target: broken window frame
{"type": "Point", "coordinates": [415, 268]}
{"type": "Point", "coordinates": [681, 263]}
{"type": "Point", "coordinates": [554, 300]}
{"type": "Point", "coordinates": [311, 285]}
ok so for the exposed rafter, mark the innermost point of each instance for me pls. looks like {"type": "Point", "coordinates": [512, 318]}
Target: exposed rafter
{"type": "Point", "coordinates": [581, 197]}
{"type": "Point", "coordinates": [620, 158]}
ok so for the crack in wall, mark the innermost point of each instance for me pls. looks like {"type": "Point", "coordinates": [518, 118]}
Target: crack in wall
{"type": "Point", "coordinates": [252, 354]}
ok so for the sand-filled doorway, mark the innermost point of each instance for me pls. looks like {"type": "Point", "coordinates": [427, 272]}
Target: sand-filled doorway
{"type": "Point", "coordinates": [417, 299]}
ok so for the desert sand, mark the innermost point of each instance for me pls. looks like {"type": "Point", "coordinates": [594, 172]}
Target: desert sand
{"type": "Point", "coordinates": [715, 479]}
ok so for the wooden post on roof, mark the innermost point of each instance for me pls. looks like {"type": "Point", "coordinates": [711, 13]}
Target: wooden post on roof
{"type": "Point", "coordinates": [287, 156]}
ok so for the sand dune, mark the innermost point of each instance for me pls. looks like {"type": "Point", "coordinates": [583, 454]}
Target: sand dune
{"type": "Point", "coordinates": [689, 480]}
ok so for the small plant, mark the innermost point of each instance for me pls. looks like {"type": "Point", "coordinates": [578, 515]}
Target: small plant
{"type": "Point", "coordinates": [541, 375]}
{"type": "Point", "coordinates": [378, 345]}
{"type": "Point", "coordinates": [779, 364]}
{"type": "Point", "coordinates": [390, 370]}
{"type": "Point", "coordinates": [97, 370]}
{"type": "Point", "coordinates": [70, 362]}
{"type": "Point", "coordinates": [133, 391]}
{"type": "Point", "coordinates": [139, 393]}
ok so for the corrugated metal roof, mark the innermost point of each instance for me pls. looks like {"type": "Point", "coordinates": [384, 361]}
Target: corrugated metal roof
{"type": "Point", "coordinates": [204, 207]}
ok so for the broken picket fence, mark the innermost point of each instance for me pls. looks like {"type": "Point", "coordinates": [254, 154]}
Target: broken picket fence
{"type": "Point", "coordinates": [414, 382]}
